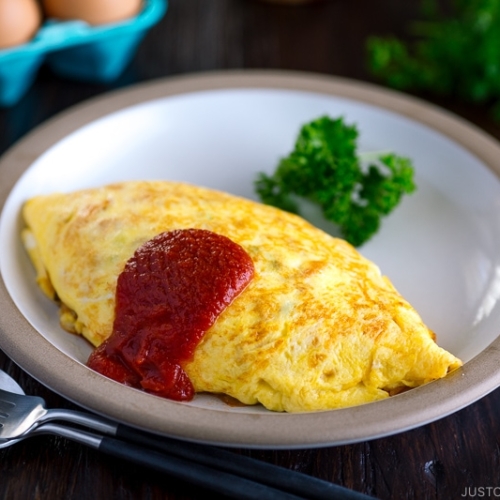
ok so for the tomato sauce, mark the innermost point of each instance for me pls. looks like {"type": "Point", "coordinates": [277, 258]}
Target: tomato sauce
{"type": "Point", "coordinates": [169, 294]}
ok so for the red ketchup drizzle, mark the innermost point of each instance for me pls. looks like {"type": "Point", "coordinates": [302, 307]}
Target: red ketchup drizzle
{"type": "Point", "coordinates": [169, 294]}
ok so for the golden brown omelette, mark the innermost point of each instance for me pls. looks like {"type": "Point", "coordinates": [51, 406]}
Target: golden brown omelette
{"type": "Point", "coordinates": [318, 327]}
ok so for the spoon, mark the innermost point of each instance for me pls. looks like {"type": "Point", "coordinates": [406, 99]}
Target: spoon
{"type": "Point", "coordinates": [7, 383]}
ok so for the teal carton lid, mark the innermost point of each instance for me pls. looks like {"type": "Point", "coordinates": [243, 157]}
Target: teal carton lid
{"type": "Point", "coordinates": [77, 50]}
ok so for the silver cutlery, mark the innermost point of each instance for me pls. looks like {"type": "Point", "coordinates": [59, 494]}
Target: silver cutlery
{"type": "Point", "coordinates": [20, 413]}
{"type": "Point", "coordinates": [220, 470]}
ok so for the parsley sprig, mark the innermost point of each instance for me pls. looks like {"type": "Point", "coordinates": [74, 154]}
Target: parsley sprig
{"type": "Point", "coordinates": [324, 168]}
{"type": "Point", "coordinates": [453, 52]}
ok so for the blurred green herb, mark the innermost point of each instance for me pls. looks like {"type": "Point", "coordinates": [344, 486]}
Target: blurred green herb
{"type": "Point", "coordinates": [454, 52]}
{"type": "Point", "coordinates": [325, 169]}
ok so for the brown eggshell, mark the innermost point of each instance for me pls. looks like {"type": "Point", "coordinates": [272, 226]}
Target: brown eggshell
{"type": "Point", "coordinates": [92, 11]}
{"type": "Point", "coordinates": [19, 21]}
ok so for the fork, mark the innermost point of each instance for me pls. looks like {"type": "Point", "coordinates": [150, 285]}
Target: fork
{"type": "Point", "coordinates": [22, 415]}
{"type": "Point", "coordinates": [201, 475]}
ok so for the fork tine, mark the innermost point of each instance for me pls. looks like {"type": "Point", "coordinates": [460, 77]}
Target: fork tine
{"type": "Point", "coordinates": [18, 413]}
{"type": "Point", "coordinates": [5, 407]}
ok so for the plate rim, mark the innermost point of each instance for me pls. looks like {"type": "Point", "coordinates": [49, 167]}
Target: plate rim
{"type": "Point", "coordinates": [37, 356]}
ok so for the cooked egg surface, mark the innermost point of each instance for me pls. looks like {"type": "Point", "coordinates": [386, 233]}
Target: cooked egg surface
{"type": "Point", "coordinates": [19, 21]}
{"type": "Point", "coordinates": [317, 328]}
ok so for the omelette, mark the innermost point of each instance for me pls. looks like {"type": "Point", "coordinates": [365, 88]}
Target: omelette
{"type": "Point", "coordinates": [318, 326]}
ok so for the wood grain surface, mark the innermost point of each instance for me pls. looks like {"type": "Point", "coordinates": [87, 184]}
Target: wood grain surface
{"type": "Point", "coordinates": [449, 459]}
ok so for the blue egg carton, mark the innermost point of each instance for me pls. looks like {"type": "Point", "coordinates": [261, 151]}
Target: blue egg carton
{"type": "Point", "coordinates": [76, 50]}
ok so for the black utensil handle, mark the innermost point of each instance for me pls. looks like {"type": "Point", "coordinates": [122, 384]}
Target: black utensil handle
{"type": "Point", "coordinates": [194, 473]}
{"type": "Point", "coordinates": [256, 470]}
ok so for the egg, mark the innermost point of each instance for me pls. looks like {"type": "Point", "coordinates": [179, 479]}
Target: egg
{"type": "Point", "coordinates": [19, 21]}
{"type": "Point", "coordinates": [318, 327]}
{"type": "Point", "coordinates": [92, 11]}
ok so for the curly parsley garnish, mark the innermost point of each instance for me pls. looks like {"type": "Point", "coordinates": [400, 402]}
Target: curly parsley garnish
{"type": "Point", "coordinates": [452, 52]}
{"type": "Point", "coordinates": [324, 168]}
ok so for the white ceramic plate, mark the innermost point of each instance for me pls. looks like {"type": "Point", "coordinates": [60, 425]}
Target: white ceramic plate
{"type": "Point", "coordinates": [440, 247]}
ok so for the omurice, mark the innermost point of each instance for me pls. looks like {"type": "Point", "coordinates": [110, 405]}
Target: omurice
{"type": "Point", "coordinates": [183, 290]}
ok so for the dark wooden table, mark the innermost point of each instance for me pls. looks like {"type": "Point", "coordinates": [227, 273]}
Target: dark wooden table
{"type": "Point", "coordinates": [452, 458]}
